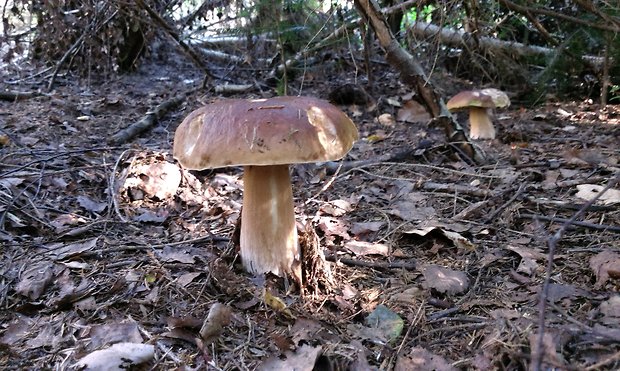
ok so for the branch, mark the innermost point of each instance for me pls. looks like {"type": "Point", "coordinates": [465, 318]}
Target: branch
{"type": "Point", "coordinates": [458, 38]}
{"type": "Point", "coordinates": [523, 10]}
{"type": "Point", "coordinates": [149, 120]}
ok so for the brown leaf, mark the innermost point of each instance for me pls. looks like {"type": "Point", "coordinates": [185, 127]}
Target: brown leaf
{"type": "Point", "coordinates": [218, 318]}
{"type": "Point", "coordinates": [171, 254]}
{"type": "Point", "coordinates": [336, 207]}
{"type": "Point", "coordinates": [35, 280]}
{"type": "Point", "coordinates": [367, 248]}
{"type": "Point", "coordinates": [60, 251]}
{"type": "Point", "coordinates": [363, 228]}
{"type": "Point", "coordinates": [412, 111]}
{"type": "Point", "coordinates": [610, 310]}
{"type": "Point", "coordinates": [445, 280]}
{"type": "Point", "coordinates": [302, 359]}
{"type": "Point", "coordinates": [111, 333]}
{"type": "Point", "coordinates": [117, 357]}
{"type": "Point", "coordinates": [605, 265]}
{"type": "Point", "coordinates": [409, 211]}
{"type": "Point", "coordinates": [420, 359]}
{"type": "Point", "coordinates": [90, 205]}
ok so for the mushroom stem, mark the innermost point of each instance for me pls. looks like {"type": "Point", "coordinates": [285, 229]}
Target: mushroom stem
{"type": "Point", "coordinates": [480, 125]}
{"type": "Point", "coordinates": [268, 233]}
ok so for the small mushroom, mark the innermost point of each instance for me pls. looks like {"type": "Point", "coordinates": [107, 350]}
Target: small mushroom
{"type": "Point", "coordinates": [480, 104]}
{"type": "Point", "coordinates": [265, 136]}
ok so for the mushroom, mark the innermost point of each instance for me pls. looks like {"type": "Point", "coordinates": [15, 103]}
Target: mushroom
{"type": "Point", "coordinates": [265, 136]}
{"type": "Point", "coordinates": [480, 103]}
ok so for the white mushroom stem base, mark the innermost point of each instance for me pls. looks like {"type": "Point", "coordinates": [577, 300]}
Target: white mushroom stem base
{"type": "Point", "coordinates": [268, 233]}
{"type": "Point", "coordinates": [480, 124]}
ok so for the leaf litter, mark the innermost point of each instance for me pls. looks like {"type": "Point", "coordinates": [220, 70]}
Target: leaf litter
{"type": "Point", "coordinates": [102, 247]}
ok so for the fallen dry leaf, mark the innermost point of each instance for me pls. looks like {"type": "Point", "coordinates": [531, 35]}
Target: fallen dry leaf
{"type": "Point", "coordinates": [91, 205]}
{"type": "Point", "coordinates": [409, 211]}
{"type": "Point", "coordinates": [605, 265]}
{"type": "Point", "coordinates": [114, 332]}
{"type": "Point", "coordinates": [589, 191]}
{"type": "Point", "coordinates": [119, 356]}
{"type": "Point", "coordinates": [610, 311]}
{"type": "Point", "coordinates": [60, 251]}
{"type": "Point", "coordinates": [218, 318]}
{"type": "Point", "coordinates": [458, 240]}
{"type": "Point", "coordinates": [420, 359]}
{"type": "Point", "coordinates": [276, 303]}
{"type": "Point", "coordinates": [35, 280]}
{"type": "Point", "coordinates": [336, 207]}
{"type": "Point", "coordinates": [412, 111]}
{"type": "Point", "coordinates": [445, 280]}
{"type": "Point", "coordinates": [367, 248]}
{"type": "Point", "coordinates": [301, 359]}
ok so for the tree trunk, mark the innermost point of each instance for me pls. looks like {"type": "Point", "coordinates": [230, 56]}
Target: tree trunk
{"type": "Point", "coordinates": [412, 74]}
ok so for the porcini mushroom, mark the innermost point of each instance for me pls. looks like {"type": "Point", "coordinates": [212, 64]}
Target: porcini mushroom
{"type": "Point", "coordinates": [265, 136]}
{"type": "Point", "coordinates": [480, 104]}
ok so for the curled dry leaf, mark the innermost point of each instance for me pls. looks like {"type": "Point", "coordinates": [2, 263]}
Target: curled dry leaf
{"type": "Point", "coordinates": [589, 191]}
{"type": "Point", "coordinates": [60, 251]}
{"type": "Point", "coordinates": [605, 265]}
{"type": "Point", "coordinates": [119, 356]}
{"type": "Point", "coordinates": [610, 310]}
{"type": "Point", "coordinates": [35, 280]}
{"type": "Point", "coordinates": [301, 359]}
{"type": "Point", "coordinates": [213, 326]}
{"type": "Point", "coordinates": [420, 359]}
{"type": "Point", "coordinates": [91, 205]}
{"type": "Point", "coordinates": [336, 207]}
{"type": "Point", "coordinates": [446, 280]}
{"type": "Point", "coordinates": [413, 111]}
{"type": "Point", "coordinates": [458, 240]}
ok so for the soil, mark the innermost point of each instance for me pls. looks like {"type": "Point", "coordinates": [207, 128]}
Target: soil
{"type": "Point", "coordinates": [438, 263]}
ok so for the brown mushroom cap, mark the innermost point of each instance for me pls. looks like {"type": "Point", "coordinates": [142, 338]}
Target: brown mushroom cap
{"type": "Point", "coordinates": [485, 98]}
{"type": "Point", "coordinates": [280, 130]}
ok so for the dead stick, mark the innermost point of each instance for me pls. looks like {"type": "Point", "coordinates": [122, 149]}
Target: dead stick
{"type": "Point", "coordinates": [375, 265]}
{"type": "Point", "coordinates": [149, 120]}
{"type": "Point", "coordinates": [537, 357]}
{"type": "Point", "coordinates": [605, 227]}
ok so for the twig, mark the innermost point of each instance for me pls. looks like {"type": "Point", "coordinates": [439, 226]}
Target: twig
{"type": "Point", "coordinates": [150, 119]}
{"type": "Point", "coordinates": [458, 188]}
{"type": "Point", "coordinates": [599, 365]}
{"type": "Point", "coordinates": [13, 96]}
{"type": "Point", "coordinates": [512, 199]}
{"type": "Point", "coordinates": [375, 265]}
{"type": "Point", "coordinates": [604, 227]}
{"type": "Point", "coordinates": [537, 357]}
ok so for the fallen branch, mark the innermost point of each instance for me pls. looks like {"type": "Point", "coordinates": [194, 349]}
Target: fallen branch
{"type": "Point", "coordinates": [13, 96]}
{"type": "Point", "coordinates": [458, 38]}
{"type": "Point", "coordinates": [368, 264]}
{"type": "Point", "coordinates": [458, 188]}
{"type": "Point", "coordinates": [150, 119]}
{"type": "Point", "coordinates": [603, 227]}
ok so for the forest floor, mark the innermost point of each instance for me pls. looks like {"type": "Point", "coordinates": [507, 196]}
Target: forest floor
{"type": "Point", "coordinates": [438, 263]}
